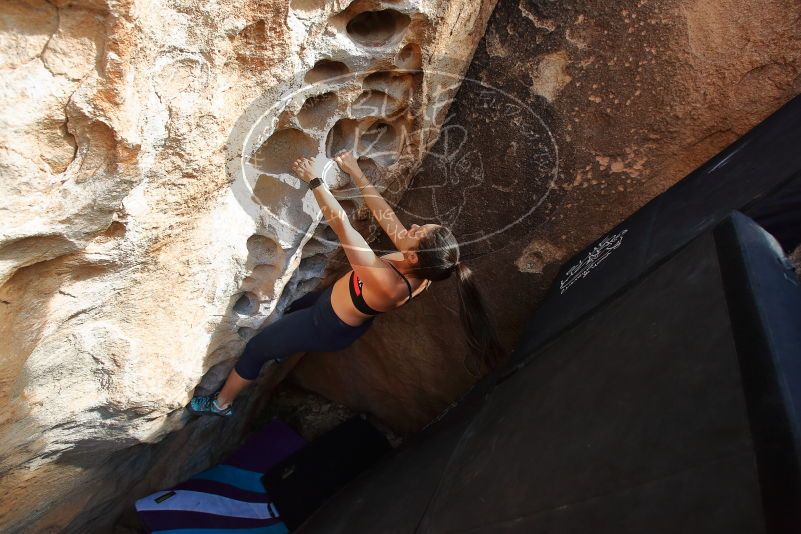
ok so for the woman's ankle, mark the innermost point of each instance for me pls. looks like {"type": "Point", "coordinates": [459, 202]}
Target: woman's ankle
{"type": "Point", "coordinates": [222, 405]}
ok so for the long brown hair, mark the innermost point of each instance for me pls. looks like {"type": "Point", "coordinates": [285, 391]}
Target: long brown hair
{"type": "Point", "coordinates": [438, 258]}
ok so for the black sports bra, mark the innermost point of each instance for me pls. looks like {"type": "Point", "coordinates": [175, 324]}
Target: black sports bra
{"type": "Point", "coordinates": [357, 296]}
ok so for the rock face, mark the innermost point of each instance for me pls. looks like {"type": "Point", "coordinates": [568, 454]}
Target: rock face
{"type": "Point", "coordinates": [572, 115]}
{"type": "Point", "coordinates": [149, 225]}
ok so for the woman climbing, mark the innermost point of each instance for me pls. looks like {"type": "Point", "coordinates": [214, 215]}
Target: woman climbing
{"type": "Point", "coordinates": [332, 318]}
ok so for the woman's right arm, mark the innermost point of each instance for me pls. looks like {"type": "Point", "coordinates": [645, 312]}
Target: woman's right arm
{"type": "Point", "coordinates": [379, 207]}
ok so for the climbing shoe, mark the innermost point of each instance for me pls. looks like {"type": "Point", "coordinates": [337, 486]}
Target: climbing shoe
{"type": "Point", "coordinates": [207, 404]}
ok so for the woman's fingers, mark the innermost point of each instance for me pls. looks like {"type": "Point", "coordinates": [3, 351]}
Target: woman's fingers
{"type": "Point", "coordinates": [300, 162]}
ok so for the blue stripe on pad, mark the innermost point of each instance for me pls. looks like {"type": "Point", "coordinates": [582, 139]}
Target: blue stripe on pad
{"type": "Point", "coordinates": [234, 476]}
{"type": "Point", "coordinates": [278, 528]}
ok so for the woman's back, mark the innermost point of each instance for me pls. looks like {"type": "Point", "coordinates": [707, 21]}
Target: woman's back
{"type": "Point", "coordinates": [353, 300]}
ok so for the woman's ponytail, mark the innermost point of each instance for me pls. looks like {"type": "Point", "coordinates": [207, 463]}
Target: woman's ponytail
{"type": "Point", "coordinates": [478, 325]}
{"type": "Point", "coordinates": [438, 258]}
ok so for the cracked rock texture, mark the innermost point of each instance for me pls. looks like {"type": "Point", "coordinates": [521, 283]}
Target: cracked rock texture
{"type": "Point", "coordinates": [149, 226]}
{"type": "Point", "coordinates": [573, 114]}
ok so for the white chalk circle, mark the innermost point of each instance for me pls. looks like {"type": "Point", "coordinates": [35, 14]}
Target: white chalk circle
{"type": "Point", "coordinates": [332, 176]}
{"type": "Point", "coordinates": [460, 177]}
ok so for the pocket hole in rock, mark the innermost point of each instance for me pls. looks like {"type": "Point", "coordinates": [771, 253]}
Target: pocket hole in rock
{"type": "Point", "coordinates": [263, 250]}
{"type": "Point", "coordinates": [312, 266]}
{"type": "Point", "coordinates": [316, 110]}
{"type": "Point", "coordinates": [323, 241]}
{"type": "Point", "coordinates": [272, 192]}
{"type": "Point", "coordinates": [396, 84]}
{"type": "Point", "coordinates": [115, 230]}
{"type": "Point", "coordinates": [379, 142]}
{"type": "Point", "coordinates": [341, 136]}
{"type": "Point", "coordinates": [326, 69]}
{"type": "Point", "coordinates": [285, 120]}
{"type": "Point", "coordinates": [247, 304]}
{"type": "Point", "coordinates": [265, 273]}
{"type": "Point", "coordinates": [410, 57]}
{"type": "Point", "coordinates": [327, 236]}
{"type": "Point", "coordinates": [262, 280]}
{"type": "Point", "coordinates": [377, 28]}
{"type": "Point", "coordinates": [281, 149]}
{"type": "Point", "coordinates": [316, 246]}
{"type": "Point", "coordinates": [375, 103]}
{"type": "Point", "coordinates": [369, 168]}
{"type": "Point", "coordinates": [246, 333]}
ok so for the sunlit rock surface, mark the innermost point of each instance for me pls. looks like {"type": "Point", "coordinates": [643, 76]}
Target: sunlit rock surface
{"type": "Point", "coordinates": [149, 226]}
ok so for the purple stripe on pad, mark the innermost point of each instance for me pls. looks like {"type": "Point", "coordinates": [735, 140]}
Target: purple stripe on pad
{"type": "Point", "coordinates": [267, 447]}
{"type": "Point", "coordinates": [165, 520]}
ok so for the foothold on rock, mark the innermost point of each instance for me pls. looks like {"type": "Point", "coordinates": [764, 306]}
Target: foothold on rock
{"type": "Point", "coordinates": [409, 57]}
{"type": "Point", "coordinates": [281, 149]}
{"type": "Point", "coordinates": [317, 110]}
{"type": "Point", "coordinates": [377, 28]}
{"type": "Point", "coordinates": [247, 304]}
{"type": "Point", "coordinates": [326, 70]}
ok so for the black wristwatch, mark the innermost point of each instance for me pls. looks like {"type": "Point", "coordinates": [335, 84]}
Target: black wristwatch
{"type": "Point", "coordinates": [314, 182]}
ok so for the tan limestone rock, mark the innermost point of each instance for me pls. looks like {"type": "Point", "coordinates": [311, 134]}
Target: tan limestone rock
{"type": "Point", "coordinates": [149, 224]}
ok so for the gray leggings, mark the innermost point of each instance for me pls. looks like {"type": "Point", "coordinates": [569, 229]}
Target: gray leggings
{"type": "Point", "coordinates": [309, 324]}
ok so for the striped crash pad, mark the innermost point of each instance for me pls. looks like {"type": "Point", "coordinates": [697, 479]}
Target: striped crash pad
{"type": "Point", "coordinates": [229, 497]}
